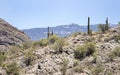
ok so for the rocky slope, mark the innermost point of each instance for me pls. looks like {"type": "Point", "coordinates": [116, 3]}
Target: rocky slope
{"type": "Point", "coordinates": [52, 63]}
{"type": "Point", "coordinates": [10, 35]}
{"type": "Point", "coordinates": [59, 57]}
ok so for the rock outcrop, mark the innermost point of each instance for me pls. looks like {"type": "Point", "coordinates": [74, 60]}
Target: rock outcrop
{"type": "Point", "coordinates": [10, 35]}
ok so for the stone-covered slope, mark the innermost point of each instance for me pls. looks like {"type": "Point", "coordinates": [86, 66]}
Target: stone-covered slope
{"type": "Point", "coordinates": [10, 35]}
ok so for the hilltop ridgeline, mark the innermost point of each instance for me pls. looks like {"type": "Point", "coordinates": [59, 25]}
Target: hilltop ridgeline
{"type": "Point", "coordinates": [10, 35]}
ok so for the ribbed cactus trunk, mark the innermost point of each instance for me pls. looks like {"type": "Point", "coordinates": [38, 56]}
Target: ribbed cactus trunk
{"type": "Point", "coordinates": [48, 33]}
{"type": "Point", "coordinates": [88, 30]}
{"type": "Point", "coordinates": [107, 25]}
{"type": "Point", "coordinates": [107, 21]}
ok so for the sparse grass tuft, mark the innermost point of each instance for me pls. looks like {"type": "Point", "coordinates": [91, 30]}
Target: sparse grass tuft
{"type": "Point", "coordinates": [43, 42]}
{"type": "Point", "coordinates": [58, 45]}
{"type": "Point", "coordinates": [29, 57]}
{"type": "Point", "coordinates": [2, 59]}
{"type": "Point", "coordinates": [115, 53]}
{"type": "Point", "coordinates": [98, 69]}
{"type": "Point", "coordinates": [64, 66]}
{"type": "Point", "coordinates": [12, 69]}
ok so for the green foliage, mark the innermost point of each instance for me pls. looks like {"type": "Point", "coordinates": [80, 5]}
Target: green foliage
{"type": "Point", "coordinates": [76, 63]}
{"type": "Point", "coordinates": [64, 66]}
{"type": "Point", "coordinates": [101, 27]}
{"type": "Point", "coordinates": [79, 52]}
{"type": "Point", "coordinates": [76, 33]}
{"type": "Point", "coordinates": [2, 59]}
{"type": "Point", "coordinates": [26, 45]}
{"type": "Point", "coordinates": [90, 48]}
{"type": "Point", "coordinates": [43, 42]}
{"type": "Point", "coordinates": [53, 39]}
{"type": "Point", "coordinates": [85, 50]}
{"type": "Point", "coordinates": [58, 45]}
{"type": "Point", "coordinates": [115, 53]}
{"type": "Point", "coordinates": [14, 50]}
{"type": "Point", "coordinates": [12, 69]}
{"type": "Point", "coordinates": [29, 57]}
{"type": "Point", "coordinates": [88, 25]}
{"type": "Point", "coordinates": [98, 69]}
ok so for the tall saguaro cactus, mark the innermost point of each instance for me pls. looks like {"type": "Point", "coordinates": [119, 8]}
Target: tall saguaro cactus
{"type": "Point", "coordinates": [106, 25]}
{"type": "Point", "coordinates": [48, 33]}
{"type": "Point", "coordinates": [88, 25]}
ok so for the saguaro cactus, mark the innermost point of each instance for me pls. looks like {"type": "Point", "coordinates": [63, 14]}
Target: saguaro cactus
{"type": "Point", "coordinates": [106, 25]}
{"type": "Point", "coordinates": [48, 33]}
{"type": "Point", "coordinates": [88, 25]}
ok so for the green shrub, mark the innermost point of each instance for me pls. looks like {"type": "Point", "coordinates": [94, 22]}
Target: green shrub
{"type": "Point", "coordinates": [64, 66]}
{"type": "Point", "coordinates": [26, 45]}
{"type": "Point", "coordinates": [53, 39]}
{"type": "Point", "coordinates": [58, 45]}
{"type": "Point", "coordinates": [14, 50]}
{"type": "Point", "coordinates": [90, 48]}
{"type": "Point", "coordinates": [29, 58]}
{"type": "Point", "coordinates": [98, 69]}
{"type": "Point", "coordinates": [2, 59]}
{"type": "Point", "coordinates": [79, 52]}
{"type": "Point", "coordinates": [85, 50]}
{"type": "Point", "coordinates": [115, 53]}
{"type": "Point", "coordinates": [76, 33]}
{"type": "Point", "coordinates": [103, 27]}
{"type": "Point", "coordinates": [76, 63]}
{"type": "Point", "coordinates": [12, 69]}
{"type": "Point", "coordinates": [43, 42]}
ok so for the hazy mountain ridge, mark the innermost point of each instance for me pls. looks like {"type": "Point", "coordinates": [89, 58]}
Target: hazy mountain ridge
{"type": "Point", "coordinates": [61, 30]}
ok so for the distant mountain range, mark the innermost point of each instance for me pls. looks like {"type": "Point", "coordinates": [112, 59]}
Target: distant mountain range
{"type": "Point", "coordinates": [61, 30]}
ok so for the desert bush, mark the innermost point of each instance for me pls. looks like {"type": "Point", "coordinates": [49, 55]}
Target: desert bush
{"type": "Point", "coordinates": [75, 63]}
{"type": "Point", "coordinates": [85, 50]}
{"type": "Point", "coordinates": [115, 53]}
{"type": "Point", "coordinates": [14, 50]}
{"type": "Point", "coordinates": [76, 33]}
{"type": "Point", "coordinates": [53, 39]}
{"type": "Point", "coordinates": [2, 59]}
{"type": "Point", "coordinates": [64, 66]}
{"type": "Point", "coordinates": [79, 52]}
{"type": "Point", "coordinates": [26, 45]}
{"type": "Point", "coordinates": [29, 57]}
{"type": "Point", "coordinates": [98, 69]}
{"type": "Point", "coordinates": [12, 69]}
{"type": "Point", "coordinates": [58, 45]}
{"type": "Point", "coordinates": [103, 27]}
{"type": "Point", "coordinates": [43, 42]}
{"type": "Point", "coordinates": [90, 48]}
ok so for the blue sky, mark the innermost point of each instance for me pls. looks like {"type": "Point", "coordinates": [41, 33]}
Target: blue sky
{"type": "Point", "coordinates": [25, 14]}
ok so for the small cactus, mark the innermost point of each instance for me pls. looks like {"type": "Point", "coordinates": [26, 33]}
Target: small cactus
{"type": "Point", "coordinates": [48, 33]}
{"type": "Point", "coordinates": [88, 25]}
{"type": "Point", "coordinates": [106, 25]}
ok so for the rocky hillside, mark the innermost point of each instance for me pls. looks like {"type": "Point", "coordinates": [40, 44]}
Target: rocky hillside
{"type": "Point", "coordinates": [79, 54]}
{"type": "Point", "coordinates": [10, 35]}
